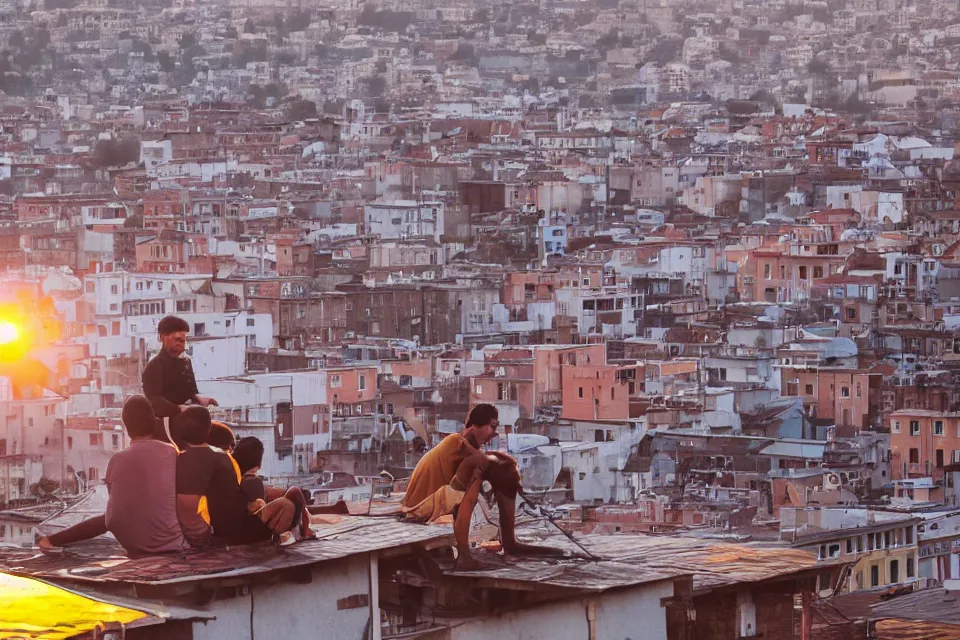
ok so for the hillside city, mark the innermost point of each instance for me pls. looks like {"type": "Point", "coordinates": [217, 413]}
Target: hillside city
{"type": "Point", "coordinates": [703, 257]}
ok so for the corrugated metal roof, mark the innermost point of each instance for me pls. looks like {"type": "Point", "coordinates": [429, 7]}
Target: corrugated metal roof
{"type": "Point", "coordinates": [915, 630]}
{"type": "Point", "coordinates": [103, 561]}
{"type": "Point", "coordinates": [937, 605]}
{"type": "Point", "coordinates": [634, 559]}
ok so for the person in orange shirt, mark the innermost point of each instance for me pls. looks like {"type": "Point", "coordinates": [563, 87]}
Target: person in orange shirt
{"type": "Point", "coordinates": [449, 478]}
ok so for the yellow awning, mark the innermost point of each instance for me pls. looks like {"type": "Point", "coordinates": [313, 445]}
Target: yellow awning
{"type": "Point", "coordinates": [34, 609]}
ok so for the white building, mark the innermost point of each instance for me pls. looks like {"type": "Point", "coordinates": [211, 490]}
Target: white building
{"type": "Point", "coordinates": [402, 219]}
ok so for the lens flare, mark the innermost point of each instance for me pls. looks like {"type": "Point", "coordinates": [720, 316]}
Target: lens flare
{"type": "Point", "coordinates": [9, 332]}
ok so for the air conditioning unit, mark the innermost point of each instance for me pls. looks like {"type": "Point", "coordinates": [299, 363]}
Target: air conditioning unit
{"type": "Point", "coordinates": [831, 481]}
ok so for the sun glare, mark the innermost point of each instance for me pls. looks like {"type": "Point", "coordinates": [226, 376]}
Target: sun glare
{"type": "Point", "coordinates": [9, 332]}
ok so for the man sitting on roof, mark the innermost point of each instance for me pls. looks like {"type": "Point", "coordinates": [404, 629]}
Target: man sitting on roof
{"type": "Point", "coordinates": [448, 480]}
{"type": "Point", "coordinates": [141, 511]}
{"type": "Point", "coordinates": [207, 472]}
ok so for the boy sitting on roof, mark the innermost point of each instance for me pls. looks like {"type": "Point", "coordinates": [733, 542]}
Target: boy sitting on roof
{"type": "Point", "coordinates": [448, 480]}
{"type": "Point", "coordinates": [249, 456]}
{"type": "Point", "coordinates": [207, 472]}
{"type": "Point", "coordinates": [141, 511]}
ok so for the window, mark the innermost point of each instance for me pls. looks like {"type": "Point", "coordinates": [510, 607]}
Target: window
{"type": "Point", "coordinates": [914, 455]}
{"type": "Point", "coordinates": [113, 306]}
{"type": "Point", "coordinates": [818, 272]}
{"type": "Point", "coordinates": [69, 442]}
{"type": "Point", "coordinates": [116, 441]}
{"type": "Point", "coordinates": [766, 271]}
{"type": "Point", "coordinates": [895, 428]}
{"type": "Point", "coordinates": [803, 273]}
{"type": "Point", "coordinates": [500, 391]}
{"type": "Point", "coordinates": [849, 545]}
{"type": "Point", "coordinates": [938, 427]}
{"type": "Point", "coordinates": [851, 313]}
{"type": "Point", "coordinates": [845, 392]}
{"type": "Point", "coordinates": [183, 306]}
{"type": "Point", "coordinates": [199, 329]}
{"type": "Point", "coordinates": [335, 381]}
{"type": "Point", "coordinates": [478, 390]}
{"type": "Point", "coordinates": [909, 531]}
{"type": "Point", "coordinates": [362, 382]}
{"type": "Point", "coordinates": [114, 289]}
{"type": "Point", "coordinates": [859, 390]}
{"type": "Point", "coordinates": [911, 571]}
{"type": "Point", "coordinates": [914, 427]}
{"type": "Point", "coordinates": [612, 393]}
{"type": "Point", "coordinates": [875, 575]}
{"type": "Point", "coordinates": [94, 439]}
{"type": "Point", "coordinates": [579, 392]}
{"type": "Point", "coordinates": [808, 389]}
{"type": "Point", "coordinates": [939, 458]}
{"type": "Point", "coordinates": [250, 322]}
{"type": "Point", "coordinates": [894, 571]}
{"type": "Point", "coordinates": [898, 268]}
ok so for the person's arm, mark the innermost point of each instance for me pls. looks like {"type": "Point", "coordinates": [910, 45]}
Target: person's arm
{"type": "Point", "coordinates": [193, 526]}
{"type": "Point", "coordinates": [472, 453]}
{"type": "Point", "coordinates": [203, 401]}
{"type": "Point", "coordinates": [108, 476]}
{"type": "Point", "coordinates": [153, 390]}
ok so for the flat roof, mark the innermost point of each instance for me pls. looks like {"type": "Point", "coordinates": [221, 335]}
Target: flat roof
{"type": "Point", "coordinates": [102, 561]}
{"type": "Point", "coordinates": [634, 559]}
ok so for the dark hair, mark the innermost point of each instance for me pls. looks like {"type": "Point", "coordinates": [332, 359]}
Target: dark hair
{"type": "Point", "coordinates": [248, 453]}
{"type": "Point", "coordinates": [482, 414]}
{"type": "Point", "coordinates": [138, 417]}
{"type": "Point", "coordinates": [172, 324]}
{"type": "Point", "coordinates": [221, 436]}
{"type": "Point", "coordinates": [194, 425]}
{"type": "Point", "coordinates": [504, 477]}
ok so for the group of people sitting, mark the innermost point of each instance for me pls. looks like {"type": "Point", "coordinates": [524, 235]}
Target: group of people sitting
{"type": "Point", "coordinates": [185, 482]}
{"type": "Point", "coordinates": [188, 485]}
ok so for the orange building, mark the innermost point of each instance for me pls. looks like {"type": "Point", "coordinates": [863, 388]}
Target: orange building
{"type": "Point", "coordinates": [595, 392]}
{"type": "Point", "coordinates": [922, 442]}
{"type": "Point", "coordinates": [850, 397]}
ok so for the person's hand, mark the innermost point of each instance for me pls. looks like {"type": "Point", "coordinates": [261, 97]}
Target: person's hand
{"type": "Point", "coordinates": [205, 401]}
{"type": "Point", "coordinates": [256, 506]}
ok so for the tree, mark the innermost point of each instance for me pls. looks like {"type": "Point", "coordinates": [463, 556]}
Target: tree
{"type": "Point", "coordinates": [116, 153]}
{"type": "Point", "coordinates": [376, 85]}
{"type": "Point", "coordinates": [818, 67]}
{"type": "Point", "coordinates": [188, 40]}
{"type": "Point", "coordinates": [300, 109]}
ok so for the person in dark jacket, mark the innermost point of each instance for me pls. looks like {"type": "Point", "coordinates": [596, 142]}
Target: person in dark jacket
{"type": "Point", "coordinates": [168, 380]}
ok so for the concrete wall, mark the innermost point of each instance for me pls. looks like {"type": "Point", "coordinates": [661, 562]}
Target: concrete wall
{"type": "Point", "coordinates": [287, 610]}
{"type": "Point", "coordinates": [631, 614]}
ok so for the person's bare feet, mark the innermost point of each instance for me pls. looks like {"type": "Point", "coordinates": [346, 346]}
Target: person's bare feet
{"type": "Point", "coordinates": [46, 546]}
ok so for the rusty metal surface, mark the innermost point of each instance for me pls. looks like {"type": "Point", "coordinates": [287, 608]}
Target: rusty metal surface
{"type": "Point", "coordinates": [102, 560]}
{"type": "Point", "coordinates": [937, 605]}
{"type": "Point", "coordinates": [895, 629]}
{"type": "Point", "coordinates": [633, 559]}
